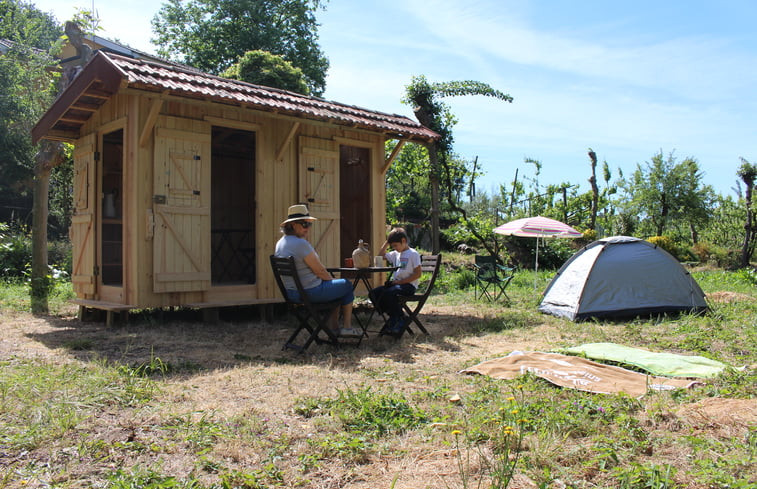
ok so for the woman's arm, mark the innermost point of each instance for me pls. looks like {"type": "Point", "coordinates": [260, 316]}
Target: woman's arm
{"type": "Point", "coordinates": [317, 267]}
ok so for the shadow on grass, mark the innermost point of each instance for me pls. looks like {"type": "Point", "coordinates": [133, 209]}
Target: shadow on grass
{"type": "Point", "coordinates": [185, 344]}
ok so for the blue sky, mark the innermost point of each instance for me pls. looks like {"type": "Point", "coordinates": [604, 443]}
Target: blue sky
{"type": "Point", "coordinates": [627, 79]}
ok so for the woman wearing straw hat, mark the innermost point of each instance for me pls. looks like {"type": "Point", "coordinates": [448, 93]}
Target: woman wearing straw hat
{"type": "Point", "coordinates": [317, 282]}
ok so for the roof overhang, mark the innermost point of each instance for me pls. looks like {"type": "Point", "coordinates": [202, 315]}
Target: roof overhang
{"type": "Point", "coordinates": [107, 73]}
{"type": "Point", "coordinates": [94, 85]}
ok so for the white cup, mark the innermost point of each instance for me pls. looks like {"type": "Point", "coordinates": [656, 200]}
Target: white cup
{"type": "Point", "coordinates": [378, 261]}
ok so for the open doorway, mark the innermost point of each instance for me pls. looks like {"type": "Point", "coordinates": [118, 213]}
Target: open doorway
{"type": "Point", "coordinates": [232, 214]}
{"type": "Point", "coordinates": [111, 209]}
{"type": "Point", "coordinates": [354, 198]}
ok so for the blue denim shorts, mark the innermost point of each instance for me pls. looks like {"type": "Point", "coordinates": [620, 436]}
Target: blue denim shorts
{"type": "Point", "coordinates": [329, 290]}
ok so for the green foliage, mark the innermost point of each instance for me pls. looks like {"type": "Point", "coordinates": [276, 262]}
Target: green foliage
{"type": "Point", "coordinates": [726, 226]}
{"type": "Point", "coordinates": [706, 252]}
{"type": "Point", "coordinates": [351, 447]}
{"type": "Point", "coordinates": [15, 252]}
{"type": "Point", "coordinates": [16, 256]}
{"type": "Point", "coordinates": [664, 192]}
{"type": "Point", "coordinates": [464, 279]}
{"type": "Point", "coordinates": [639, 476]}
{"type": "Point", "coordinates": [364, 411]}
{"type": "Point", "coordinates": [200, 433]}
{"type": "Point", "coordinates": [270, 70]}
{"type": "Point", "coordinates": [27, 90]}
{"type": "Point", "coordinates": [22, 22]}
{"type": "Point", "coordinates": [408, 194]}
{"type": "Point", "coordinates": [748, 275]}
{"type": "Point", "coordinates": [664, 242]}
{"type": "Point", "coordinates": [213, 34]}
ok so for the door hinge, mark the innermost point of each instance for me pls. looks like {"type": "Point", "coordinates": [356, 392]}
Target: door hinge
{"type": "Point", "coordinates": [96, 271]}
{"type": "Point", "coordinates": [196, 157]}
{"type": "Point", "coordinates": [159, 199]}
{"type": "Point", "coordinates": [97, 156]}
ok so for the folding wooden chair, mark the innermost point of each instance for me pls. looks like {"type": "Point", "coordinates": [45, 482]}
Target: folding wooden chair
{"type": "Point", "coordinates": [312, 316]}
{"type": "Point", "coordinates": [429, 264]}
{"type": "Point", "coordinates": [490, 274]}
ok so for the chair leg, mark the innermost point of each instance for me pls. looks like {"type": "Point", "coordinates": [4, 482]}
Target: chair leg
{"type": "Point", "coordinates": [413, 315]}
{"type": "Point", "coordinates": [314, 332]}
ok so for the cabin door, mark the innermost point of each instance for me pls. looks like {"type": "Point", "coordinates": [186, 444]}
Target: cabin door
{"type": "Point", "coordinates": [181, 208]}
{"type": "Point", "coordinates": [319, 189]}
{"type": "Point", "coordinates": [355, 198]}
{"type": "Point", "coordinates": [83, 220]}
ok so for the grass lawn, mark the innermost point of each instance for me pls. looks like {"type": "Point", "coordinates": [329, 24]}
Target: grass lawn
{"type": "Point", "coordinates": [170, 402]}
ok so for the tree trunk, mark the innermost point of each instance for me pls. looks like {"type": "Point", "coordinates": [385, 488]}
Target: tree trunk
{"type": "Point", "coordinates": [746, 248]}
{"type": "Point", "coordinates": [594, 190]}
{"type": "Point", "coordinates": [49, 155]}
{"type": "Point", "coordinates": [433, 157]}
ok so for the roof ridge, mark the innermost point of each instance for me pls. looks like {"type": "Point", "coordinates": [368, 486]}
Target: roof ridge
{"type": "Point", "coordinates": [314, 100]}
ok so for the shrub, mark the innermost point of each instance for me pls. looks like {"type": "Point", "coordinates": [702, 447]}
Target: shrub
{"type": "Point", "coordinates": [464, 279]}
{"type": "Point", "coordinates": [703, 251]}
{"type": "Point", "coordinates": [666, 243]}
{"type": "Point", "coordinates": [15, 252]}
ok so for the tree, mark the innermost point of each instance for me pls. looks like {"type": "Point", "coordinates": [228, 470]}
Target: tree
{"type": "Point", "coordinates": [435, 114]}
{"type": "Point", "coordinates": [263, 68]}
{"type": "Point", "coordinates": [748, 173]}
{"type": "Point", "coordinates": [27, 26]}
{"type": "Point", "coordinates": [408, 194]}
{"type": "Point", "coordinates": [213, 34]}
{"type": "Point", "coordinates": [664, 193]}
{"type": "Point", "coordinates": [25, 92]}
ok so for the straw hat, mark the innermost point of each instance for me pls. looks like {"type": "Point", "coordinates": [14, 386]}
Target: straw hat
{"type": "Point", "coordinates": [298, 212]}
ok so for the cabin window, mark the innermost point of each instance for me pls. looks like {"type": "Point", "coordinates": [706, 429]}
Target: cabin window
{"type": "Point", "coordinates": [232, 206]}
{"type": "Point", "coordinates": [111, 208]}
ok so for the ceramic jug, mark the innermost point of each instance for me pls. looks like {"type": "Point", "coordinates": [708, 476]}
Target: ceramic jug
{"type": "Point", "coordinates": [361, 257]}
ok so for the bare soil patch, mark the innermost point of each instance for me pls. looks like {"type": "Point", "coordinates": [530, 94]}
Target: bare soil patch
{"type": "Point", "coordinates": [726, 297]}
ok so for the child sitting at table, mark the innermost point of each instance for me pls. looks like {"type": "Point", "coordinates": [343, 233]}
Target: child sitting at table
{"type": "Point", "coordinates": [404, 281]}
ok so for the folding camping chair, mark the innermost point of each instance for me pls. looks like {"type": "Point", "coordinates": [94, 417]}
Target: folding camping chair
{"type": "Point", "coordinates": [490, 274]}
{"type": "Point", "coordinates": [312, 316]}
{"type": "Point", "coordinates": [429, 264]}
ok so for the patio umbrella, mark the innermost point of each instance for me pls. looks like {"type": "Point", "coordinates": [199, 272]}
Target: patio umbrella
{"type": "Point", "coordinates": [537, 227]}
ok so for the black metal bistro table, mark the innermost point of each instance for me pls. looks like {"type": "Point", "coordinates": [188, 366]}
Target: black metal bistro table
{"type": "Point", "coordinates": [361, 275]}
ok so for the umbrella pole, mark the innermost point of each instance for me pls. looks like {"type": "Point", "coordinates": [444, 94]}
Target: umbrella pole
{"type": "Point", "coordinates": [536, 268]}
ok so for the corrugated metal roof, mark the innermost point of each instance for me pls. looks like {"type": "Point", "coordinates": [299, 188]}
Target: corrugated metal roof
{"type": "Point", "coordinates": [157, 77]}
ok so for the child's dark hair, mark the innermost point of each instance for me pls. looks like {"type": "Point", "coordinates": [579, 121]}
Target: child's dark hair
{"type": "Point", "coordinates": [397, 235]}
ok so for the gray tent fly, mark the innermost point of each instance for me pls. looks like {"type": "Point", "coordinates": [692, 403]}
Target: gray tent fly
{"type": "Point", "coordinates": [621, 276]}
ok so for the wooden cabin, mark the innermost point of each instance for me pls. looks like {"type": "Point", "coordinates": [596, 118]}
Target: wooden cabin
{"type": "Point", "coordinates": [182, 178]}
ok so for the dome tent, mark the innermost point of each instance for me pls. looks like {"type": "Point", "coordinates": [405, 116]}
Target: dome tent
{"type": "Point", "coordinates": [621, 276]}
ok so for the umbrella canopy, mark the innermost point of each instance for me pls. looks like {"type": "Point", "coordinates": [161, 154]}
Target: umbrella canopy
{"type": "Point", "coordinates": [537, 227]}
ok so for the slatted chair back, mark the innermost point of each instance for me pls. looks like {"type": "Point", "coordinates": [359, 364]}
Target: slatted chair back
{"type": "Point", "coordinates": [312, 316]}
{"type": "Point", "coordinates": [430, 264]}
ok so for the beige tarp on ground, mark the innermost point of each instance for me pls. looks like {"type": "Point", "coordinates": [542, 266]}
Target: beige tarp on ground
{"type": "Point", "coordinates": [576, 373]}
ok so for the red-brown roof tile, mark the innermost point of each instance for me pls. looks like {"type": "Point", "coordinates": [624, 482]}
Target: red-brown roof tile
{"type": "Point", "coordinates": [152, 76]}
